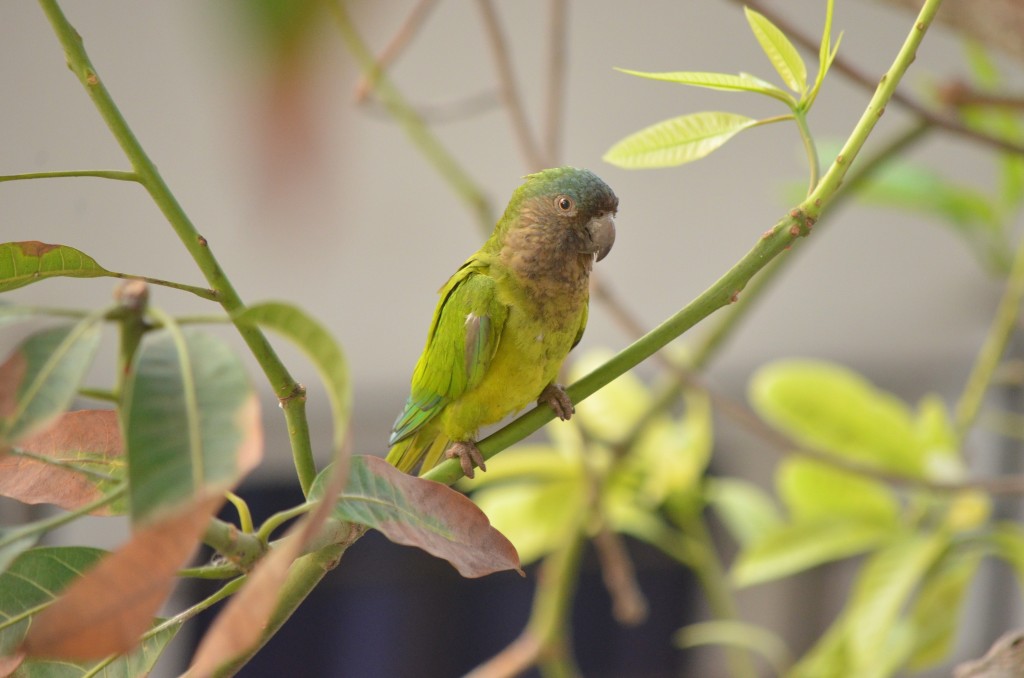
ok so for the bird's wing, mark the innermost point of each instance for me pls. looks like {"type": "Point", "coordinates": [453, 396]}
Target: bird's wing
{"type": "Point", "coordinates": [462, 340]}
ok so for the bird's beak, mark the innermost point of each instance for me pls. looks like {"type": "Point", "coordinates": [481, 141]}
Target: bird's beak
{"type": "Point", "coordinates": [601, 230]}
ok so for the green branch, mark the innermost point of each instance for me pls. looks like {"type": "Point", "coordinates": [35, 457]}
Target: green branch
{"type": "Point", "coordinates": [784, 235]}
{"type": "Point", "coordinates": [1003, 326]}
{"type": "Point", "coordinates": [833, 178]}
{"type": "Point", "coordinates": [116, 175]}
{"type": "Point", "coordinates": [288, 391]}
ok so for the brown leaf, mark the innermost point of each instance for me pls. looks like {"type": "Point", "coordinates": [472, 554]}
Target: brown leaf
{"type": "Point", "coordinates": [426, 514]}
{"type": "Point", "coordinates": [107, 609]}
{"type": "Point", "coordinates": [241, 625]}
{"type": "Point", "coordinates": [12, 372]}
{"type": "Point", "coordinates": [10, 664]}
{"type": "Point", "coordinates": [250, 450]}
{"type": "Point", "coordinates": [86, 438]}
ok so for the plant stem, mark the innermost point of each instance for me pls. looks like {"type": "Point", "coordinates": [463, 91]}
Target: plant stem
{"type": "Point", "coordinates": [813, 164]}
{"type": "Point", "coordinates": [833, 178]}
{"type": "Point", "coordinates": [116, 175]}
{"type": "Point", "coordinates": [60, 519]}
{"type": "Point", "coordinates": [948, 123]}
{"type": "Point", "coordinates": [1003, 326]}
{"type": "Point", "coordinates": [411, 121]}
{"type": "Point", "coordinates": [303, 576]}
{"type": "Point", "coordinates": [285, 387]}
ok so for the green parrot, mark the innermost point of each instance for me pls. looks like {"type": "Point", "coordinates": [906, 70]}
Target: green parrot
{"type": "Point", "coordinates": [507, 319]}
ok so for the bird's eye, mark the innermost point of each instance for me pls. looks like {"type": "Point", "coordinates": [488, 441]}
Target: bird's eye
{"type": "Point", "coordinates": [565, 203]}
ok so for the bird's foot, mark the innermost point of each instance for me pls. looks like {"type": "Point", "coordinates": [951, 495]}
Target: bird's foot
{"type": "Point", "coordinates": [469, 456]}
{"type": "Point", "coordinates": [555, 397]}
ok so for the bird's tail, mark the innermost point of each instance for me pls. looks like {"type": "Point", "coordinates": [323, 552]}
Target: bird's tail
{"type": "Point", "coordinates": [426, 444]}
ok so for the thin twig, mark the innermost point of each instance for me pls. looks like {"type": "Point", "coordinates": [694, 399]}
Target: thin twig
{"type": "Point", "coordinates": [629, 606]}
{"type": "Point", "coordinates": [409, 28]}
{"type": "Point", "coordinates": [417, 130]}
{"type": "Point", "coordinates": [509, 90]}
{"type": "Point", "coordinates": [557, 65]}
{"type": "Point", "coordinates": [866, 81]}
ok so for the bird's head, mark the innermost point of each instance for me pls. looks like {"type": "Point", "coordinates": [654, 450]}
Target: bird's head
{"type": "Point", "coordinates": [565, 210]}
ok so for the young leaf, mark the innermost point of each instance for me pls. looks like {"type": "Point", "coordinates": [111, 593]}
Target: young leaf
{"type": "Point", "coordinates": [422, 513]}
{"type": "Point", "coordinates": [22, 263]}
{"type": "Point", "coordinates": [191, 418]}
{"type": "Point", "coordinates": [780, 51]}
{"type": "Point", "coordinates": [319, 345]}
{"type": "Point", "coordinates": [737, 634]}
{"type": "Point", "coordinates": [826, 55]}
{"type": "Point", "coordinates": [831, 408]}
{"type": "Point", "coordinates": [813, 491]}
{"type": "Point", "coordinates": [746, 509]}
{"type": "Point", "coordinates": [743, 82]}
{"type": "Point", "coordinates": [936, 610]}
{"type": "Point", "coordinates": [106, 610]}
{"type": "Point", "coordinates": [39, 379]}
{"type": "Point", "coordinates": [883, 587]}
{"type": "Point", "coordinates": [794, 548]}
{"type": "Point", "coordinates": [74, 462]}
{"type": "Point", "coordinates": [537, 517]}
{"type": "Point", "coordinates": [677, 141]}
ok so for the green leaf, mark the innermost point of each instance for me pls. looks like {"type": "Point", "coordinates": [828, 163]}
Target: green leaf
{"type": "Point", "coordinates": [677, 141]}
{"type": "Point", "coordinates": [140, 662]}
{"type": "Point", "coordinates": [935, 613]}
{"type": "Point", "coordinates": [830, 408]}
{"type": "Point", "coordinates": [794, 548]}
{"type": "Point", "coordinates": [670, 457]}
{"type": "Point", "coordinates": [191, 419]}
{"type": "Point", "coordinates": [743, 82]}
{"type": "Point", "coordinates": [324, 352]}
{"type": "Point", "coordinates": [13, 542]}
{"type": "Point", "coordinates": [883, 587]}
{"type": "Point", "coordinates": [422, 513]}
{"type": "Point", "coordinates": [536, 517]}
{"type": "Point", "coordinates": [34, 580]}
{"type": "Point", "coordinates": [23, 263]}
{"type": "Point", "coordinates": [1007, 540]}
{"type": "Point", "coordinates": [746, 509]}
{"type": "Point", "coordinates": [816, 492]}
{"type": "Point", "coordinates": [39, 379]}
{"type": "Point", "coordinates": [737, 634]}
{"type": "Point", "coordinates": [611, 414]}
{"type": "Point", "coordinates": [780, 51]}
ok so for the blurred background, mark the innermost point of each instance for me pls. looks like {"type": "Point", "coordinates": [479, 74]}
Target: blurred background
{"type": "Point", "coordinates": [250, 111]}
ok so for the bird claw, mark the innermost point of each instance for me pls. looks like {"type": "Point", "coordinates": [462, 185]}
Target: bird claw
{"type": "Point", "coordinates": [469, 456]}
{"type": "Point", "coordinates": [555, 397]}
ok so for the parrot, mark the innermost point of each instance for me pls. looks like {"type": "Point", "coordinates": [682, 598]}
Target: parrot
{"type": "Point", "coordinates": [507, 319]}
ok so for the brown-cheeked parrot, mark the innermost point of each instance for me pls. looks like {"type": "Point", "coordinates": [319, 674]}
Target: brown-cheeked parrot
{"type": "Point", "coordinates": [507, 319]}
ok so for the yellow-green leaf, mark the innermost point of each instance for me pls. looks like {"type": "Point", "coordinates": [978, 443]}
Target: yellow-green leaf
{"type": "Point", "coordinates": [727, 82]}
{"type": "Point", "coordinates": [677, 141]}
{"type": "Point", "coordinates": [780, 51]}
{"type": "Point", "coordinates": [26, 262]}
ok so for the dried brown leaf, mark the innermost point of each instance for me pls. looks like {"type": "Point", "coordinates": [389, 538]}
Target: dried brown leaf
{"type": "Point", "coordinates": [85, 439]}
{"type": "Point", "coordinates": [241, 625]}
{"type": "Point", "coordinates": [107, 609]}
